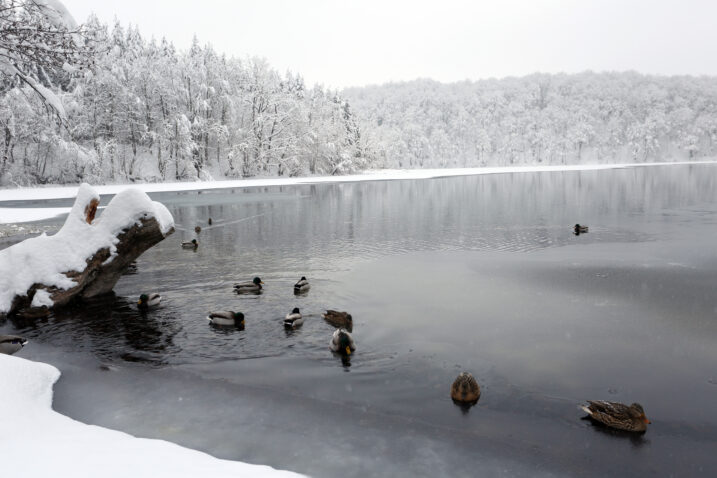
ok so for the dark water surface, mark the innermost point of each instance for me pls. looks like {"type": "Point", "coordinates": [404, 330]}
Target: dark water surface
{"type": "Point", "coordinates": [476, 273]}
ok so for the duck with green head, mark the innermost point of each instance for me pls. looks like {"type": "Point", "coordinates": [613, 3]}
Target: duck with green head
{"type": "Point", "coordinates": [249, 286]}
{"type": "Point", "coordinates": [293, 319]}
{"type": "Point", "coordinates": [9, 344]}
{"type": "Point", "coordinates": [149, 300]}
{"type": "Point", "coordinates": [342, 342]}
{"type": "Point", "coordinates": [302, 286]}
{"type": "Point", "coordinates": [193, 244]}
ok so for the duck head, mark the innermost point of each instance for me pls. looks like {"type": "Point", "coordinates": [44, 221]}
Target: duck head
{"type": "Point", "coordinates": [143, 300]}
{"type": "Point", "coordinates": [257, 281]}
{"type": "Point", "coordinates": [238, 318]}
{"type": "Point", "coordinates": [636, 411]}
{"type": "Point", "coordinates": [344, 343]}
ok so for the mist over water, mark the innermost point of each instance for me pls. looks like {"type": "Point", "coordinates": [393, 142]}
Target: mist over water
{"type": "Point", "coordinates": [476, 273]}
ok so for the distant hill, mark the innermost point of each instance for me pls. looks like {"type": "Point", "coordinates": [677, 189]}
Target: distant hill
{"type": "Point", "coordinates": [540, 119]}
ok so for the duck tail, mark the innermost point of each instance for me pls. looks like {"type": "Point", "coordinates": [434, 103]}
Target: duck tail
{"type": "Point", "coordinates": [585, 409]}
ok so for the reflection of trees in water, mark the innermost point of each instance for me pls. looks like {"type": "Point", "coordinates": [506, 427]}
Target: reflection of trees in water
{"type": "Point", "coordinates": [516, 212]}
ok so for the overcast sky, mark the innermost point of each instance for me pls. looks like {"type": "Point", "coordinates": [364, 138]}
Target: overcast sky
{"type": "Point", "coordinates": [351, 43]}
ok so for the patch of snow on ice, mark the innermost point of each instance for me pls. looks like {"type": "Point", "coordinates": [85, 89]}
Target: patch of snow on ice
{"type": "Point", "coordinates": [44, 443]}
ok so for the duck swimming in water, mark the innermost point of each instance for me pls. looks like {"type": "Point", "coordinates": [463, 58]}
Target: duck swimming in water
{"type": "Point", "coordinates": [149, 300]}
{"type": "Point", "coordinates": [617, 415]}
{"type": "Point", "coordinates": [293, 319]}
{"type": "Point", "coordinates": [226, 318]}
{"type": "Point", "coordinates": [465, 389]}
{"type": "Point", "coordinates": [578, 229]}
{"type": "Point", "coordinates": [9, 344]}
{"type": "Point", "coordinates": [302, 285]}
{"type": "Point", "coordinates": [339, 319]}
{"type": "Point", "coordinates": [198, 229]}
{"type": "Point", "coordinates": [193, 244]}
{"type": "Point", "coordinates": [342, 342]}
{"type": "Point", "coordinates": [249, 286]}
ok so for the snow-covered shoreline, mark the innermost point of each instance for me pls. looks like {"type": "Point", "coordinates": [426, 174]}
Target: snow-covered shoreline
{"type": "Point", "coordinates": [45, 443]}
{"type": "Point", "coordinates": [19, 215]}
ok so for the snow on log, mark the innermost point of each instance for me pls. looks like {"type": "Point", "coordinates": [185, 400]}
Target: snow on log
{"type": "Point", "coordinates": [86, 257]}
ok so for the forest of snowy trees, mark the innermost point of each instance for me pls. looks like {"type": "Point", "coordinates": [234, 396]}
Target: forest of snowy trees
{"type": "Point", "coordinates": [99, 104]}
{"type": "Point", "coordinates": [540, 119]}
{"type": "Point", "coordinates": [143, 111]}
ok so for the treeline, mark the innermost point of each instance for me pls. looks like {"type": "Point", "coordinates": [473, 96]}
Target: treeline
{"type": "Point", "coordinates": [144, 111]}
{"type": "Point", "coordinates": [541, 119]}
{"type": "Point", "coordinates": [131, 109]}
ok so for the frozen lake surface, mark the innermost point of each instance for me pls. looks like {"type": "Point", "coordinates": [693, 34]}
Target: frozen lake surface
{"type": "Point", "coordinates": [478, 273]}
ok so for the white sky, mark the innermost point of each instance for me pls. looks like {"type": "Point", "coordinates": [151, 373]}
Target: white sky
{"type": "Point", "coordinates": [352, 43]}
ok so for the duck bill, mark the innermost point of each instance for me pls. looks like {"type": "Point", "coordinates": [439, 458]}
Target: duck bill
{"type": "Point", "coordinates": [348, 350]}
{"type": "Point", "coordinates": [139, 302]}
{"type": "Point", "coordinates": [646, 420]}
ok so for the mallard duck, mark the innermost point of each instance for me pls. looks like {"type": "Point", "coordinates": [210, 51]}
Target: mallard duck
{"type": "Point", "coordinates": [465, 389]}
{"type": "Point", "coordinates": [198, 229]}
{"type": "Point", "coordinates": [302, 285]}
{"type": "Point", "coordinates": [578, 229]}
{"type": "Point", "coordinates": [293, 319]}
{"type": "Point", "coordinates": [342, 342]}
{"type": "Point", "coordinates": [338, 319]}
{"type": "Point", "coordinates": [9, 344]}
{"type": "Point", "coordinates": [253, 286]}
{"type": "Point", "coordinates": [193, 244]}
{"type": "Point", "coordinates": [149, 300]}
{"type": "Point", "coordinates": [226, 317]}
{"type": "Point", "coordinates": [617, 415]}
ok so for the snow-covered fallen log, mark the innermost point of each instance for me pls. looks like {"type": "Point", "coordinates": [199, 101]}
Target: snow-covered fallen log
{"type": "Point", "coordinates": [86, 257]}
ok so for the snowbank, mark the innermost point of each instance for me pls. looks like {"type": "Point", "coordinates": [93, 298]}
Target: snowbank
{"type": "Point", "coordinates": [41, 443]}
{"type": "Point", "coordinates": [45, 259]}
{"type": "Point", "coordinates": [56, 192]}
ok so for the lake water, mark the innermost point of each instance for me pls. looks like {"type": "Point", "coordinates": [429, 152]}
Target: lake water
{"type": "Point", "coordinates": [478, 273]}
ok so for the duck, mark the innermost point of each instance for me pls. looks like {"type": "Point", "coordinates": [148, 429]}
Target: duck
{"type": "Point", "coordinates": [149, 300]}
{"type": "Point", "coordinates": [617, 415]}
{"type": "Point", "coordinates": [209, 221]}
{"type": "Point", "coordinates": [249, 286]}
{"type": "Point", "coordinates": [226, 317]}
{"type": "Point", "coordinates": [198, 229]}
{"type": "Point", "coordinates": [293, 319]}
{"type": "Point", "coordinates": [338, 319]}
{"type": "Point", "coordinates": [302, 286]}
{"type": "Point", "coordinates": [578, 229]}
{"type": "Point", "coordinates": [465, 389]}
{"type": "Point", "coordinates": [193, 244]}
{"type": "Point", "coordinates": [342, 342]}
{"type": "Point", "coordinates": [9, 344]}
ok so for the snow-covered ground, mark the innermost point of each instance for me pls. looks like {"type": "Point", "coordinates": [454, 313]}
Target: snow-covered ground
{"type": "Point", "coordinates": [40, 442]}
{"type": "Point", "coordinates": [17, 215]}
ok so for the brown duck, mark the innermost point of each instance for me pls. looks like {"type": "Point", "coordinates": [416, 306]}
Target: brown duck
{"type": "Point", "coordinates": [616, 415]}
{"type": "Point", "coordinates": [465, 389]}
{"type": "Point", "coordinates": [338, 319]}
